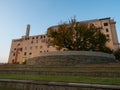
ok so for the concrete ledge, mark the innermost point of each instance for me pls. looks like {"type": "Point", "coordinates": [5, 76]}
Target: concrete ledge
{"type": "Point", "coordinates": [71, 58]}
{"type": "Point", "coordinates": [39, 85]}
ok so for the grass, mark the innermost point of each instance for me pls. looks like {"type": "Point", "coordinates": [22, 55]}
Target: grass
{"type": "Point", "coordinates": [77, 79]}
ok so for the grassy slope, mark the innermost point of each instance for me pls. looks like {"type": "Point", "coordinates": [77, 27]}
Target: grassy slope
{"type": "Point", "coordinates": [7, 89]}
{"type": "Point", "coordinates": [78, 79]}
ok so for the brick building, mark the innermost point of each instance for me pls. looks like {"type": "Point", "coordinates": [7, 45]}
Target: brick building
{"type": "Point", "coordinates": [31, 46]}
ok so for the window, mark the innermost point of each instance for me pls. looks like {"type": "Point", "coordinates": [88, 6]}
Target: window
{"type": "Point", "coordinates": [36, 37]}
{"type": "Point", "coordinates": [105, 24]}
{"type": "Point", "coordinates": [26, 38]}
{"type": "Point", "coordinates": [13, 60]}
{"type": "Point", "coordinates": [41, 37]}
{"type": "Point", "coordinates": [32, 37]}
{"type": "Point", "coordinates": [14, 48]}
{"type": "Point", "coordinates": [18, 44]}
{"type": "Point", "coordinates": [25, 53]}
{"type": "Point", "coordinates": [21, 49]}
{"type": "Point", "coordinates": [40, 46]}
{"type": "Point", "coordinates": [107, 35]}
{"type": "Point", "coordinates": [30, 53]}
{"type": "Point", "coordinates": [107, 30]}
{"type": "Point", "coordinates": [40, 51]}
{"type": "Point", "coordinates": [31, 42]}
{"type": "Point", "coordinates": [13, 54]}
{"type": "Point", "coordinates": [44, 36]}
{"type": "Point", "coordinates": [36, 47]}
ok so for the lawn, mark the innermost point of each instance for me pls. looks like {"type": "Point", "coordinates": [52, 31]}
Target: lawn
{"type": "Point", "coordinates": [7, 89]}
{"type": "Point", "coordinates": [77, 79]}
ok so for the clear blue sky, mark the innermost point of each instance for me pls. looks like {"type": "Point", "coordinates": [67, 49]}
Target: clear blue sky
{"type": "Point", "coordinates": [40, 14]}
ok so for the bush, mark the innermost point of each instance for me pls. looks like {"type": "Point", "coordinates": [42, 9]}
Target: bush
{"type": "Point", "coordinates": [117, 54]}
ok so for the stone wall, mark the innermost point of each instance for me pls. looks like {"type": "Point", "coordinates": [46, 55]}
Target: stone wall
{"type": "Point", "coordinates": [39, 85]}
{"type": "Point", "coordinates": [71, 58]}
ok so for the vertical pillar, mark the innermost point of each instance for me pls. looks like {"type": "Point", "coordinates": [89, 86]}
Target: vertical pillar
{"type": "Point", "coordinates": [28, 30]}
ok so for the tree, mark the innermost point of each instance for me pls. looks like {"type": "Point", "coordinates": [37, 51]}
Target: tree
{"type": "Point", "coordinates": [117, 54]}
{"type": "Point", "coordinates": [78, 36]}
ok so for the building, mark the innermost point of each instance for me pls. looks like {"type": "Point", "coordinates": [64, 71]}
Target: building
{"type": "Point", "coordinates": [31, 46]}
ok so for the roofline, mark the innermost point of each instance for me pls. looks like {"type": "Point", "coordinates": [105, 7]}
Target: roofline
{"type": "Point", "coordinates": [92, 20]}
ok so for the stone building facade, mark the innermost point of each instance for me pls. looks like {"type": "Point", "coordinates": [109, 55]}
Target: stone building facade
{"type": "Point", "coordinates": [31, 46]}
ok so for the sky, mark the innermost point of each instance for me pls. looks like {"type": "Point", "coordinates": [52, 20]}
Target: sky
{"type": "Point", "coordinates": [41, 14]}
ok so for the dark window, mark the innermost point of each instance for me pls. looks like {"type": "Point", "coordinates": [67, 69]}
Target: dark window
{"type": "Point", "coordinates": [40, 51]}
{"type": "Point", "coordinates": [108, 35]}
{"type": "Point", "coordinates": [25, 53]}
{"type": "Point", "coordinates": [31, 41]}
{"type": "Point", "coordinates": [107, 30]}
{"type": "Point", "coordinates": [26, 38]}
{"type": "Point", "coordinates": [13, 54]}
{"type": "Point", "coordinates": [13, 60]}
{"type": "Point", "coordinates": [36, 47]}
{"type": "Point", "coordinates": [105, 24]}
{"type": "Point", "coordinates": [40, 46]}
{"type": "Point", "coordinates": [41, 37]}
{"type": "Point", "coordinates": [20, 49]}
{"type": "Point", "coordinates": [44, 36]}
{"type": "Point", "coordinates": [18, 44]}
{"type": "Point", "coordinates": [14, 48]}
{"type": "Point", "coordinates": [32, 37]}
{"type": "Point", "coordinates": [30, 53]}
{"type": "Point", "coordinates": [36, 37]}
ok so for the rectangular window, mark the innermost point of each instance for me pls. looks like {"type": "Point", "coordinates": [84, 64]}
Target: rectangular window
{"type": "Point", "coordinates": [13, 54]}
{"type": "Point", "coordinates": [105, 24]}
{"type": "Point", "coordinates": [30, 53]}
{"type": "Point", "coordinates": [107, 35]}
{"type": "Point", "coordinates": [14, 48]}
{"type": "Point", "coordinates": [31, 42]}
{"type": "Point", "coordinates": [37, 37]}
{"type": "Point", "coordinates": [107, 30]}
{"type": "Point", "coordinates": [40, 46]}
{"type": "Point", "coordinates": [41, 37]}
{"type": "Point", "coordinates": [32, 37]}
{"type": "Point", "coordinates": [25, 53]}
{"type": "Point", "coordinates": [36, 47]}
{"type": "Point", "coordinates": [20, 49]}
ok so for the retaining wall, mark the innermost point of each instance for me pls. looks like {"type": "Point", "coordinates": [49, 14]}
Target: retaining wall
{"type": "Point", "coordinates": [71, 58]}
{"type": "Point", "coordinates": [37, 85]}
